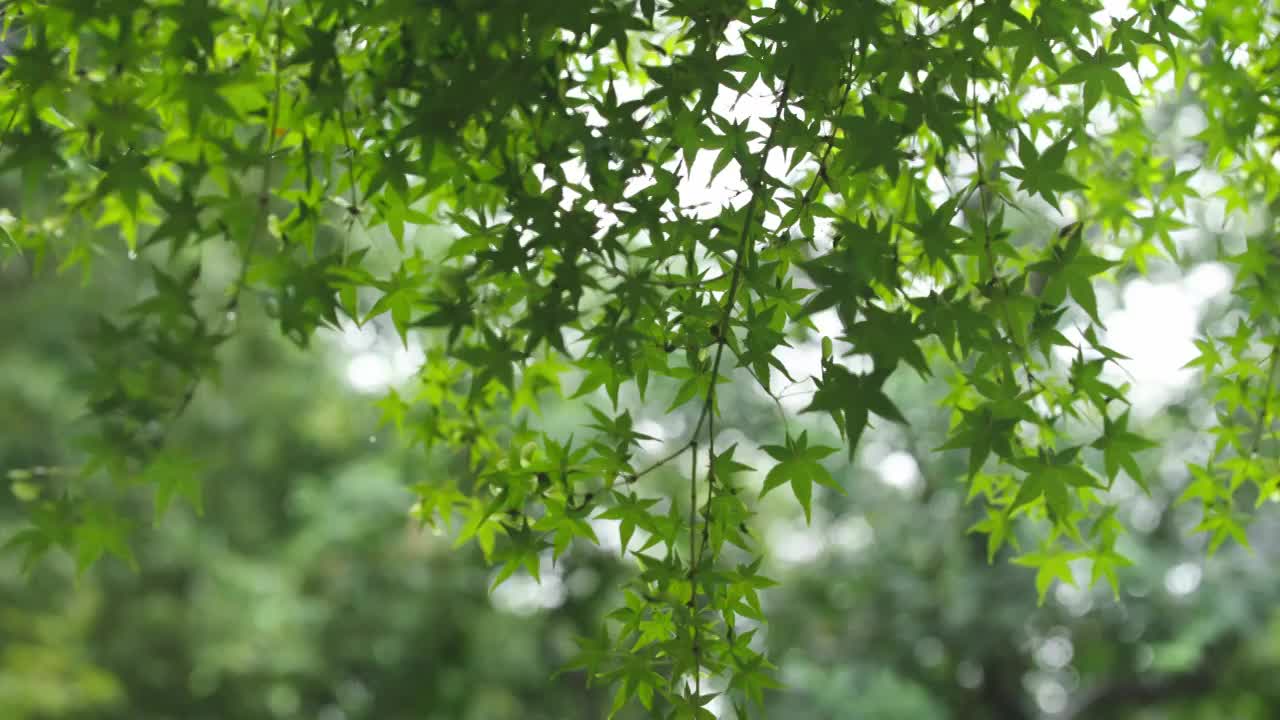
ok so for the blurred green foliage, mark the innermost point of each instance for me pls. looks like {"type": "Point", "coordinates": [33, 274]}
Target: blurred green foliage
{"type": "Point", "coordinates": [305, 591]}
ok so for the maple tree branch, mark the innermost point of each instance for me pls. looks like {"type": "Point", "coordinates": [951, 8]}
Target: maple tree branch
{"type": "Point", "coordinates": [744, 249]}
{"type": "Point", "coordinates": [260, 221]}
{"type": "Point", "coordinates": [821, 176]}
{"type": "Point", "coordinates": [675, 454]}
{"type": "Point", "coordinates": [693, 567]}
{"type": "Point", "coordinates": [735, 281]}
{"type": "Point", "coordinates": [1266, 402]}
{"type": "Point", "coordinates": [264, 190]}
{"type": "Point", "coordinates": [981, 188]}
{"type": "Point", "coordinates": [777, 401]}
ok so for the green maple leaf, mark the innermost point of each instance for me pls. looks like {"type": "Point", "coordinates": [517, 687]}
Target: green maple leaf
{"type": "Point", "coordinates": [1052, 476]}
{"type": "Point", "coordinates": [799, 464]}
{"type": "Point", "coordinates": [521, 551]}
{"type": "Point", "coordinates": [1105, 563]}
{"type": "Point", "coordinates": [850, 399]}
{"type": "Point", "coordinates": [1043, 174]}
{"type": "Point", "coordinates": [631, 512]}
{"type": "Point", "coordinates": [1118, 446]}
{"type": "Point", "coordinates": [174, 476]}
{"type": "Point", "coordinates": [1050, 565]}
{"type": "Point", "coordinates": [935, 229]}
{"type": "Point", "coordinates": [1224, 524]}
{"type": "Point", "coordinates": [1098, 73]}
{"type": "Point", "coordinates": [101, 530]}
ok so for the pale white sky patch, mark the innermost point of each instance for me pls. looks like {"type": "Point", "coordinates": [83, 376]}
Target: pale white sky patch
{"type": "Point", "coordinates": [900, 471]}
{"type": "Point", "coordinates": [1190, 120]}
{"type": "Point", "coordinates": [522, 595]}
{"type": "Point", "coordinates": [1155, 328]}
{"type": "Point", "coordinates": [607, 531]}
{"type": "Point", "coordinates": [1208, 281]}
{"type": "Point", "coordinates": [803, 361]}
{"type": "Point", "coordinates": [1102, 121]}
{"type": "Point", "coordinates": [1182, 15]}
{"type": "Point", "coordinates": [850, 534]}
{"type": "Point", "coordinates": [355, 337]}
{"type": "Point", "coordinates": [369, 372]}
{"type": "Point", "coordinates": [1144, 514]}
{"type": "Point", "coordinates": [1161, 83]}
{"type": "Point", "coordinates": [1113, 10]}
{"type": "Point", "coordinates": [1183, 578]}
{"type": "Point", "coordinates": [706, 194]}
{"type": "Point", "coordinates": [1076, 599]}
{"type": "Point", "coordinates": [375, 370]}
{"type": "Point", "coordinates": [407, 360]}
{"type": "Point", "coordinates": [1056, 651]}
{"type": "Point", "coordinates": [794, 543]}
{"type": "Point", "coordinates": [654, 429]}
{"type": "Point", "coordinates": [937, 184]}
{"type": "Point", "coordinates": [1037, 98]}
{"type": "Point", "coordinates": [1050, 695]}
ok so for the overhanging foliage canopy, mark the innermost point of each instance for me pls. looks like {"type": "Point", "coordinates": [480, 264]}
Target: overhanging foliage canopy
{"type": "Point", "coordinates": [882, 161]}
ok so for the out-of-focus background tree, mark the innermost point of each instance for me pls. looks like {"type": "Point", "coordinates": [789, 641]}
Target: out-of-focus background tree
{"type": "Point", "coordinates": [304, 589]}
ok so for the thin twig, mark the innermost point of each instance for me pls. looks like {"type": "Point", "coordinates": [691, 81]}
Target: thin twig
{"type": "Point", "coordinates": [1266, 402]}
{"type": "Point", "coordinates": [821, 175]}
{"type": "Point", "coordinates": [981, 189]}
{"type": "Point", "coordinates": [777, 401]}
{"type": "Point", "coordinates": [693, 568]}
{"type": "Point", "coordinates": [735, 281]}
{"type": "Point", "coordinates": [354, 209]}
{"type": "Point", "coordinates": [677, 453]}
{"type": "Point", "coordinates": [744, 249]}
{"type": "Point", "coordinates": [259, 225]}
{"type": "Point", "coordinates": [264, 196]}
